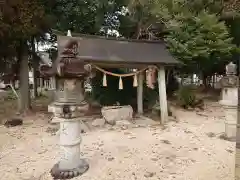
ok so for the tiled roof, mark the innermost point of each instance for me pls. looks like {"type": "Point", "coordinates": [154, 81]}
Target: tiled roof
{"type": "Point", "coordinates": [97, 49]}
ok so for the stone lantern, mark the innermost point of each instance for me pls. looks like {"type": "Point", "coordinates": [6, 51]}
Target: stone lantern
{"type": "Point", "coordinates": [68, 108]}
{"type": "Point", "coordinates": [229, 100]}
{"type": "Point", "coordinates": [231, 69]}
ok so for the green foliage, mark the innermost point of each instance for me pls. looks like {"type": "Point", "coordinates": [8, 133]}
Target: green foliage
{"type": "Point", "coordinates": [128, 95]}
{"type": "Point", "coordinates": [199, 37]}
{"type": "Point", "coordinates": [10, 96]}
{"type": "Point", "coordinates": [86, 16]}
{"type": "Point", "coordinates": [42, 95]}
{"type": "Point", "coordinates": [233, 25]}
{"type": "Point", "coordinates": [150, 96]}
{"type": "Point", "coordinates": [22, 18]}
{"type": "Point", "coordinates": [195, 36]}
{"type": "Point", "coordinates": [111, 94]}
{"type": "Point", "coordinates": [186, 97]}
{"type": "Point", "coordinates": [192, 28]}
{"type": "Point", "coordinates": [138, 19]}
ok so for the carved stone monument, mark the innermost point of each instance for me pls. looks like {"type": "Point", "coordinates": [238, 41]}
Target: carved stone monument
{"type": "Point", "coordinates": [68, 108]}
{"type": "Point", "coordinates": [229, 100]}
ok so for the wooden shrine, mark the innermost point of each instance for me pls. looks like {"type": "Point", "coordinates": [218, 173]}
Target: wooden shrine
{"type": "Point", "coordinates": [77, 58]}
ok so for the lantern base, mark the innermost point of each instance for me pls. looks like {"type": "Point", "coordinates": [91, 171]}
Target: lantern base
{"type": "Point", "coordinates": [58, 173]}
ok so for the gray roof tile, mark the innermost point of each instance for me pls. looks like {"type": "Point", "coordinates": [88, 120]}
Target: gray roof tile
{"type": "Point", "coordinates": [97, 49]}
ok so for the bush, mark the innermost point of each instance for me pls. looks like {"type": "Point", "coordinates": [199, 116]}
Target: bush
{"type": "Point", "coordinates": [156, 110]}
{"type": "Point", "coordinates": [111, 94]}
{"type": "Point", "coordinates": [10, 96]}
{"type": "Point", "coordinates": [150, 96]}
{"type": "Point", "coordinates": [186, 97]}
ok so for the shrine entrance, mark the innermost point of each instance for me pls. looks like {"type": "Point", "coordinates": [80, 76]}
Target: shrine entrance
{"type": "Point", "coordinates": [147, 57]}
{"type": "Point", "coordinates": [78, 59]}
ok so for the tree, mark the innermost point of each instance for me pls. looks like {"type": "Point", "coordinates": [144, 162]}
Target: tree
{"type": "Point", "coordinates": [79, 16]}
{"type": "Point", "coordinates": [196, 37]}
{"type": "Point", "coordinates": [200, 41]}
{"type": "Point", "coordinates": [138, 19]}
{"type": "Point", "coordinates": [20, 21]}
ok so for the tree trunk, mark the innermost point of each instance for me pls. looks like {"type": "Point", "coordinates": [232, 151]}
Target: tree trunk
{"type": "Point", "coordinates": [137, 35]}
{"type": "Point", "coordinates": [24, 81]}
{"type": "Point", "coordinates": [35, 82]}
{"type": "Point", "coordinates": [205, 81]}
{"type": "Point", "coordinates": [214, 80]}
{"type": "Point", "coordinates": [35, 66]}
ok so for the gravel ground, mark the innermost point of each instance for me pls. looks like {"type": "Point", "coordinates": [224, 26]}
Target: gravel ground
{"type": "Point", "coordinates": [189, 149]}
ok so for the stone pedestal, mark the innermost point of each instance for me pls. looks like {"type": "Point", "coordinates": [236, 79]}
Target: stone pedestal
{"type": "Point", "coordinates": [230, 96]}
{"type": "Point", "coordinates": [68, 110]}
{"type": "Point", "coordinates": [230, 105]}
{"type": "Point", "coordinates": [229, 101]}
{"type": "Point", "coordinates": [231, 113]}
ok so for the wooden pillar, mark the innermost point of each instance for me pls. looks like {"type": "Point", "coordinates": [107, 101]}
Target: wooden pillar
{"type": "Point", "coordinates": [140, 93]}
{"type": "Point", "coordinates": [162, 94]}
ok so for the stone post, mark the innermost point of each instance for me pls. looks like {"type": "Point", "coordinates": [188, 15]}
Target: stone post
{"type": "Point", "coordinates": [68, 109]}
{"type": "Point", "coordinates": [230, 100]}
